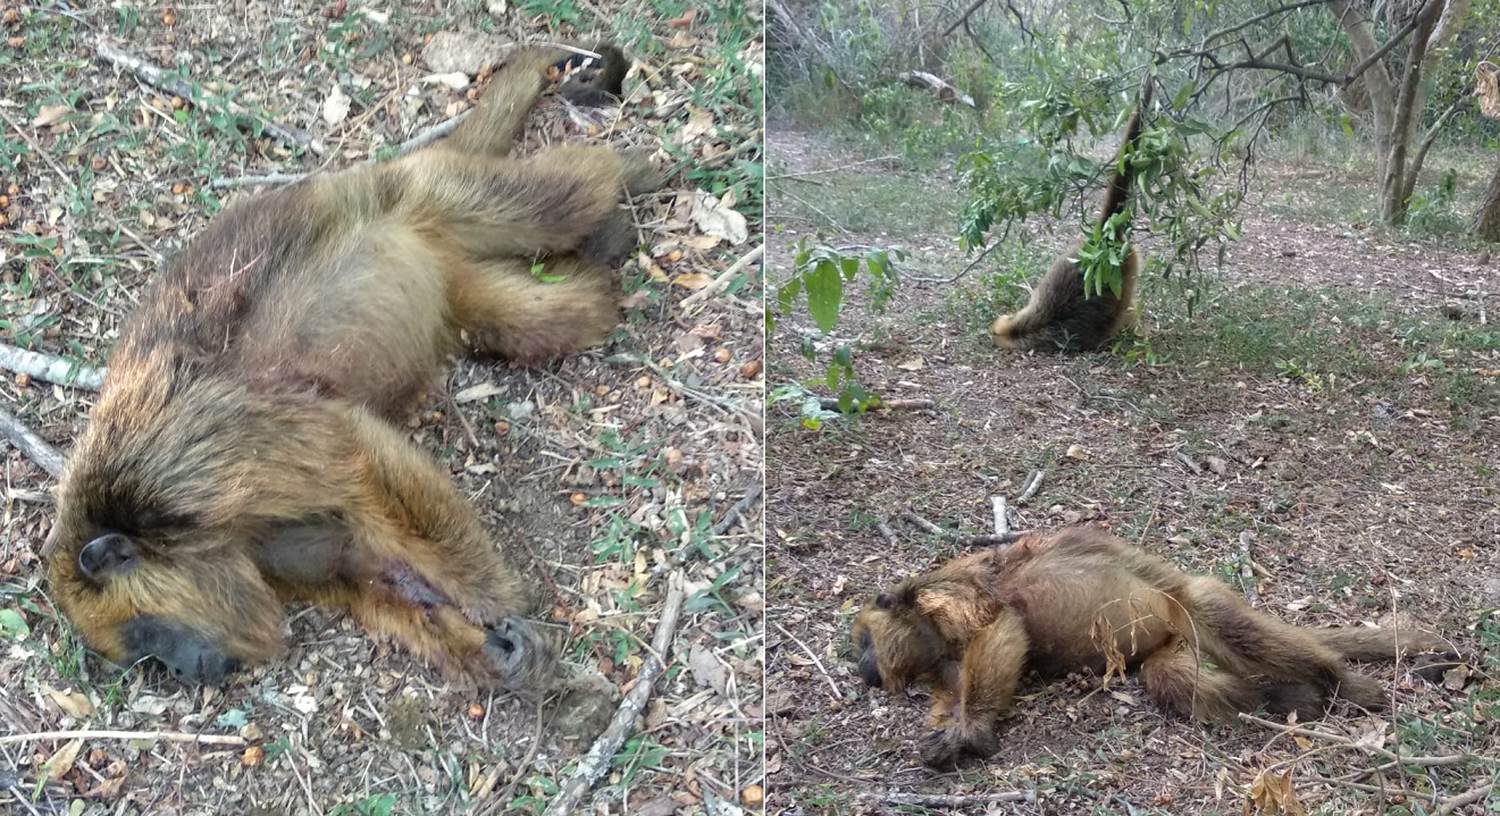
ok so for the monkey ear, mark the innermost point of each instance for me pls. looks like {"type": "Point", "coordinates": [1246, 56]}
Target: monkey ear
{"type": "Point", "coordinates": [885, 600]}
{"type": "Point", "coordinates": [109, 554]}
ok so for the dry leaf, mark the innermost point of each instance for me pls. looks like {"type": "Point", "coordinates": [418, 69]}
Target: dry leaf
{"type": "Point", "coordinates": [692, 281]}
{"type": "Point", "coordinates": [714, 217]}
{"type": "Point", "coordinates": [685, 21]}
{"type": "Point", "coordinates": [1076, 452]}
{"type": "Point", "coordinates": [74, 704]}
{"type": "Point", "coordinates": [914, 364]}
{"type": "Point", "coordinates": [336, 106]}
{"type": "Point", "coordinates": [707, 669]}
{"type": "Point", "coordinates": [478, 392]}
{"type": "Point", "coordinates": [49, 114]}
{"type": "Point", "coordinates": [457, 80]}
{"type": "Point", "coordinates": [61, 762]}
{"type": "Point", "coordinates": [699, 123]}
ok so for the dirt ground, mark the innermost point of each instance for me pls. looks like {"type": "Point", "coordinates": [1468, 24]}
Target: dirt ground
{"type": "Point", "coordinates": [602, 474]}
{"type": "Point", "coordinates": [1342, 502]}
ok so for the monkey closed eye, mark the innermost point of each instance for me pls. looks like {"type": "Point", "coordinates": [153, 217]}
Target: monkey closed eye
{"type": "Point", "coordinates": [108, 555]}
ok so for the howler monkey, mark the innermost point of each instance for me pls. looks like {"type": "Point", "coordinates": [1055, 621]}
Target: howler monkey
{"type": "Point", "coordinates": [1082, 600]}
{"type": "Point", "coordinates": [243, 449]}
{"type": "Point", "coordinates": [1062, 315]}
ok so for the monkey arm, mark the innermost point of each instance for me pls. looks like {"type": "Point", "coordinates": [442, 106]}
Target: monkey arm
{"type": "Point", "coordinates": [988, 679]}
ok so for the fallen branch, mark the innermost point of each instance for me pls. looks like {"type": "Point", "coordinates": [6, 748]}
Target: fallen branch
{"type": "Point", "coordinates": [1188, 461]}
{"type": "Point", "coordinates": [806, 173]}
{"type": "Point", "coordinates": [597, 760]}
{"type": "Point", "coordinates": [1247, 572]}
{"type": "Point", "coordinates": [999, 539]}
{"type": "Point", "coordinates": [27, 442]}
{"type": "Point", "coordinates": [1349, 742]}
{"type": "Point", "coordinates": [50, 368]}
{"type": "Point", "coordinates": [837, 696]}
{"type": "Point", "coordinates": [947, 800]}
{"type": "Point", "coordinates": [1029, 487]}
{"type": "Point", "coordinates": [832, 404]}
{"type": "Point", "coordinates": [1002, 524]}
{"type": "Point", "coordinates": [1468, 798]}
{"type": "Point", "coordinates": [161, 80]}
{"type": "Point", "coordinates": [887, 533]}
{"type": "Point", "coordinates": [722, 281]}
{"type": "Point", "coordinates": [737, 510]}
{"type": "Point", "coordinates": [165, 736]}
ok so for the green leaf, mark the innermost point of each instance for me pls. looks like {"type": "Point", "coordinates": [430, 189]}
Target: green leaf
{"type": "Point", "coordinates": [536, 272]}
{"type": "Point", "coordinates": [825, 293]}
{"type": "Point", "coordinates": [12, 624]}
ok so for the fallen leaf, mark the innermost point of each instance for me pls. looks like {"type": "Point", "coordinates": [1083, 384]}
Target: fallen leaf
{"type": "Point", "coordinates": [74, 704]}
{"type": "Point", "coordinates": [839, 584]}
{"type": "Point", "coordinates": [699, 123]}
{"type": "Point", "coordinates": [478, 392]}
{"type": "Point", "coordinates": [336, 106]}
{"type": "Point", "coordinates": [713, 217]}
{"type": "Point", "coordinates": [61, 762]}
{"type": "Point", "coordinates": [914, 364]}
{"type": "Point", "coordinates": [685, 21]}
{"type": "Point", "coordinates": [108, 789]}
{"type": "Point", "coordinates": [457, 80]}
{"type": "Point", "coordinates": [707, 669]}
{"type": "Point", "coordinates": [50, 114]}
{"type": "Point", "coordinates": [692, 281]}
{"type": "Point", "coordinates": [1217, 465]}
{"type": "Point", "coordinates": [1077, 452]}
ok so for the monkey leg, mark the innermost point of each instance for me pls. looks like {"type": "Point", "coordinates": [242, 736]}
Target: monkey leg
{"type": "Point", "coordinates": [510, 310]}
{"type": "Point", "coordinates": [1176, 680]}
{"type": "Point", "coordinates": [487, 208]}
{"type": "Point", "coordinates": [988, 678]}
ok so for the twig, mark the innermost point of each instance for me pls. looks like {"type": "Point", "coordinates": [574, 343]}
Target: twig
{"type": "Point", "coordinates": [21, 797]}
{"type": "Point", "coordinates": [252, 181]}
{"type": "Point", "coordinates": [947, 800]}
{"type": "Point", "coordinates": [503, 800]}
{"type": "Point", "coordinates": [165, 736]}
{"type": "Point", "coordinates": [739, 508]}
{"type": "Point", "coordinates": [597, 760]}
{"type": "Point", "coordinates": [1468, 798]}
{"type": "Point", "coordinates": [1029, 487]}
{"type": "Point", "coordinates": [156, 77]}
{"type": "Point", "coordinates": [1002, 524]}
{"type": "Point", "coordinates": [1419, 761]}
{"type": "Point", "coordinates": [47, 157]}
{"type": "Point", "coordinates": [999, 539]}
{"type": "Point", "coordinates": [51, 368]}
{"type": "Point", "coordinates": [26, 441]}
{"type": "Point", "coordinates": [837, 697]}
{"type": "Point", "coordinates": [1247, 572]}
{"type": "Point", "coordinates": [1188, 461]}
{"type": "Point", "coordinates": [806, 173]}
{"type": "Point", "coordinates": [724, 278]}
{"type": "Point", "coordinates": [887, 533]}
{"type": "Point", "coordinates": [832, 404]}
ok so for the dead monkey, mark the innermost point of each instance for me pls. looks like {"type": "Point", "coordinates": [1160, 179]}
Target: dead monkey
{"type": "Point", "coordinates": [242, 450]}
{"type": "Point", "coordinates": [1061, 604]}
{"type": "Point", "coordinates": [1061, 314]}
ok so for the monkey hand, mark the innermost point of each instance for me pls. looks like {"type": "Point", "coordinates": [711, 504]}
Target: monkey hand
{"type": "Point", "coordinates": [944, 748]}
{"type": "Point", "coordinates": [524, 657]}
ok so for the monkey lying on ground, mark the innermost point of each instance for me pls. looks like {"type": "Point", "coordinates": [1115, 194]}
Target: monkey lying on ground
{"type": "Point", "coordinates": [1084, 601]}
{"type": "Point", "coordinates": [1061, 313]}
{"type": "Point", "coordinates": [243, 448]}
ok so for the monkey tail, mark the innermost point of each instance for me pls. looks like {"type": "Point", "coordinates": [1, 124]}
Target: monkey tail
{"type": "Point", "coordinates": [1369, 643]}
{"type": "Point", "coordinates": [1123, 176]}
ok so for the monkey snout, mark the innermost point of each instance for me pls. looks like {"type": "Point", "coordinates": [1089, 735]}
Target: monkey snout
{"type": "Point", "coordinates": [869, 670]}
{"type": "Point", "coordinates": [523, 656]}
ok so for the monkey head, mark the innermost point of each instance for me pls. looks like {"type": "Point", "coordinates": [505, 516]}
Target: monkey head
{"type": "Point", "coordinates": [896, 643]}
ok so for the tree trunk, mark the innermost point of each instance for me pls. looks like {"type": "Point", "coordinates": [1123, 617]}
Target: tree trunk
{"type": "Point", "coordinates": [1361, 31]}
{"type": "Point", "coordinates": [1393, 204]}
{"type": "Point", "coordinates": [1486, 223]}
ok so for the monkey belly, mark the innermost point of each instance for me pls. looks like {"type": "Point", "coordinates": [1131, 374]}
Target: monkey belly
{"type": "Point", "coordinates": [1077, 612]}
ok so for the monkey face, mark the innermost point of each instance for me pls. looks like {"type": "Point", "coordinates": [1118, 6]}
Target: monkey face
{"type": "Point", "coordinates": [895, 643]}
{"type": "Point", "coordinates": [203, 612]}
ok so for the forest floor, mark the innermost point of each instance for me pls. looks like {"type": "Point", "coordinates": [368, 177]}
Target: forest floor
{"type": "Point", "coordinates": [1322, 432]}
{"type": "Point", "coordinates": [609, 471]}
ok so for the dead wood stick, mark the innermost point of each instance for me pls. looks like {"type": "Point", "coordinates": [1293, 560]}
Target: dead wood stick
{"type": "Point", "coordinates": [837, 696]}
{"type": "Point", "coordinates": [165, 736]}
{"type": "Point", "coordinates": [832, 404]}
{"type": "Point", "coordinates": [962, 18]}
{"type": "Point", "coordinates": [965, 540]}
{"type": "Point", "coordinates": [947, 800]}
{"type": "Point", "coordinates": [157, 78]}
{"type": "Point", "coordinates": [1188, 461]}
{"type": "Point", "coordinates": [1002, 524]}
{"type": "Point", "coordinates": [50, 368]}
{"type": "Point", "coordinates": [1247, 572]}
{"type": "Point", "coordinates": [722, 281]}
{"type": "Point", "coordinates": [1029, 487]}
{"type": "Point", "coordinates": [737, 510]}
{"type": "Point", "coordinates": [597, 760]}
{"type": "Point", "coordinates": [1340, 739]}
{"type": "Point", "coordinates": [1468, 798]}
{"type": "Point", "coordinates": [887, 533]}
{"type": "Point", "coordinates": [417, 142]}
{"type": "Point", "coordinates": [27, 442]}
{"type": "Point", "coordinates": [805, 173]}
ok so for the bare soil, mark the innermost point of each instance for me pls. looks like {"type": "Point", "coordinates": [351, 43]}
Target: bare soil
{"type": "Point", "coordinates": [1371, 501]}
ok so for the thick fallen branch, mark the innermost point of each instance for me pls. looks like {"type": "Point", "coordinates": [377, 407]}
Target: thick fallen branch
{"type": "Point", "coordinates": [50, 368]}
{"type": "Point", "coordinates": [1002, 524]}
{"type": "Point", "coordinates": [597, 760]}
{"type": "Point", "coordinates": [164, 736]}
{"type": "Point", "coordinates": [947, 800]}
{"type": "Point", "coordinates": [1029, 487]}
{"type": "Point", "coordinates": [737, 510]}
{"type": "Point", "coordinates": [998, 539]}
{"type": "Point", "coordinates": [157, 78]}
{"type": "Point", "coordinates": [26, 441]}
{"type": "Point", "coordinates": [1468, 798]}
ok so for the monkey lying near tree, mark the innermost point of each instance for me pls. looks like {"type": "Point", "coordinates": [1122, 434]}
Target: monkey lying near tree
{"type": "Point", "coordinates": [243, 448]}
{"type": "Point", "coordinates": [1084, 601]}
{"type": "Point", "coordinates": [1061, 314]}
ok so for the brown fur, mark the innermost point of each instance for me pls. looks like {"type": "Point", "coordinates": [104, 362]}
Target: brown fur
{"type": "Point", "coordinates": [973, 626]}
{"type": "Point", "coordinates": [243, 449]}
{"type": "Point", "coordinates": [1061, 315]}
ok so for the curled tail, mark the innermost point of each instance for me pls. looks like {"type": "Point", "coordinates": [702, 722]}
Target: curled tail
{"type": "Point", "coordinates": [1123, 176]}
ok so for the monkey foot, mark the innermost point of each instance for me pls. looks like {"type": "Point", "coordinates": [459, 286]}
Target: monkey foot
{"type": "Point", "coordinates": [524, 658]}
{"type": "Point", "coordinates": [943, 748]}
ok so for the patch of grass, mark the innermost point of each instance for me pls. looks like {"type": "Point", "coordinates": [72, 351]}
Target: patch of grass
{"type": "Point", "coordinates": [898, 205]}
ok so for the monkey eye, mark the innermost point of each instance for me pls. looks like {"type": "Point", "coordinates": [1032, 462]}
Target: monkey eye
{"type": "Point", "coordinates": [109, 554]}
{"type": "Point", "coordinates": [885, 601]}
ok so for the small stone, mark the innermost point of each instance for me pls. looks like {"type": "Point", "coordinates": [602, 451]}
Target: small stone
{"type": "Point", "coordinates": [469, 52]}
